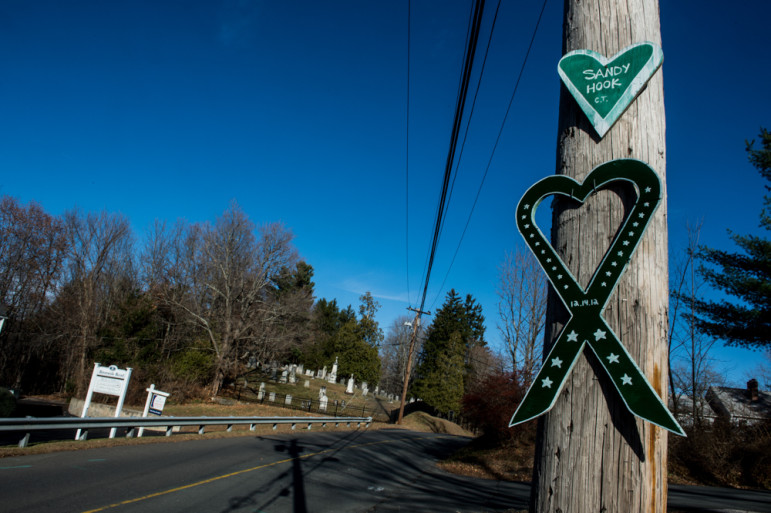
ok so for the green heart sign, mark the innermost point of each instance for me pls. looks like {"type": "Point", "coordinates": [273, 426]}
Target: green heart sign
{"type": "Point", "coordinates": [604, 88]}
{"type": "Point", "coordinates": [586, 326]}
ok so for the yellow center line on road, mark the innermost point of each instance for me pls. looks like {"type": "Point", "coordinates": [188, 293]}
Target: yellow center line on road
{"type": "Point", "coordinates": [238, 472]}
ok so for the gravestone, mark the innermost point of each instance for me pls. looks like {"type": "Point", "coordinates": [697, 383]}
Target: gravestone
{"type": "Point", "coordinates": [292, 374]}
{"type": "Point", "coordinates": [349, 387]}
{"type": "Point", "coordinates": [307, 383]}
{"type": "Point", "coordinates": [324, 372]}
{"type": "Point", "coordinates": [288, 400]}
{"type": "Point", "coordinates": [333, 375]}
{"type": "Point", "coordinates": [284, 377]}
{"type": "Point", "coordinates": [322, 392]}
{"type": "Point", "coordinates": [261, 392]}
{"type": "Point", "coordinates": [364, 388]}
{"type": "Point", "coordinates": [272, 397]}
{"type": "Point", "coordinates": [323, 400]}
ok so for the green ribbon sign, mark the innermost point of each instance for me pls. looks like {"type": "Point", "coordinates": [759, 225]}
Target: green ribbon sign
{"type": "Point", "coordinates": [604, 88]}
{"type": "Point", "coordinates": [586, 325]}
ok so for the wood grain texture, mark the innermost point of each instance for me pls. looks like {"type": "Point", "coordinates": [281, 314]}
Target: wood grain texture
{"type": "Point", "coordinates": [592, 454]}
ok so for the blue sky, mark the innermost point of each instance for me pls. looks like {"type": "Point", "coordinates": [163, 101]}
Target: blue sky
{"type": "Point", "coordinates": [297, 110]}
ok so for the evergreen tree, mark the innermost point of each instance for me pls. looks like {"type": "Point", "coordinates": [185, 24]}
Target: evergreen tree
{"type": "Point", "coordinates": [458, 327]}
{"type": "Point", "coordinates": [744, 275]}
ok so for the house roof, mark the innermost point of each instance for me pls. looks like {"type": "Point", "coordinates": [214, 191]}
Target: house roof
{"type": "Point", "coordinates": [735, 403]}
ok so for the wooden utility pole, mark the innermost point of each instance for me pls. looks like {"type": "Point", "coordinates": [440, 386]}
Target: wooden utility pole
{"type": "Point", "coordinates": [408, 370]}
{"type": "Point", "coordinates": [592, 454]}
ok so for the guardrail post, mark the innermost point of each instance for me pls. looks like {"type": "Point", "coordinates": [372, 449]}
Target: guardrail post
{"type": "Point", "coordinates": [169, 429]}
{"type": "Point", "coordinates": [24, 441]}
{"type": "Point", "coordinates": [201, 430]}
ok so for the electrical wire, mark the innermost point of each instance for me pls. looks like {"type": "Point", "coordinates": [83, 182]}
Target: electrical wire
{"type": "Point", "coordinates": [407, 161]}
{"type": "Point", "coordinates": [495, 146]}
{"type": "Point", "coordinates": [459, 108]}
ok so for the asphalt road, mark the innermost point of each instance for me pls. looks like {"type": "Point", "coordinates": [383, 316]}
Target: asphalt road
{"type": "Point", "coordinates": [357, 471]}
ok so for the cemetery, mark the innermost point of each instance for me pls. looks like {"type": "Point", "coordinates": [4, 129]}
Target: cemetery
{"type": "Point", "coordinates": [320, 391]}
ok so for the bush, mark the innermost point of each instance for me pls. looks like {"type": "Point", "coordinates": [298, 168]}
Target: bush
{"type": "Point", "coordinates": [491, 404]}
{"type": "Point", "coordinates": [724, 455]}
{"type": "Point", "coordinates": [7, 403]}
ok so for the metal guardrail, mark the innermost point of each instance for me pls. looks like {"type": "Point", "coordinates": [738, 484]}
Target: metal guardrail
{"type": "Point", "coordinates": [31, 424]}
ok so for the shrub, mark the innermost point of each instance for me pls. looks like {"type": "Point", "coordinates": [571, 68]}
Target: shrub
{"type": "Point", "coordinates": [7, 403]}
{"type": "Point", "coordinates": [491, 404]}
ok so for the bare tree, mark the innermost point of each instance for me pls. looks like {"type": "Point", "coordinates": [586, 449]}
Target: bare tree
{"type": "Point", "coordinates": [522, 310]}
{"type": "Point", "coordinates": [220, 277]}
{"type": "Point", "coordinates": [689, 349]}
{"type": "Point", "coordinates": [394, 354]}
{"type": "Point", "coordinates": [32, 248]}
{"type": "Point", "coordinates": [99, 262]}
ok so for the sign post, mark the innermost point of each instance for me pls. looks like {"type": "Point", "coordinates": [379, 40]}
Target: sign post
{"type": "Point", "coordinates": [156, 400]}
{"type": "Point", "coordinates": [109, 381]}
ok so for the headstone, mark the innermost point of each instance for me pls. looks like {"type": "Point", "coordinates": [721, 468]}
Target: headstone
{"type": "Point", "coordinates": [288, 400]}
{"type": "Point", "coordinates": [323, 400]}
{"type": "Point", "coordinates": [333, 375]}
{"type": "Point", "coordinates": [349, 388]}
{"type": "Point", "coordinates": [272, 397]}
{"type": "Point", "coordinates": [364, 388]}
{"type": "Point", "coordinates": [307, 383]}
{"type": "Point", "coordinates": [293, 374]}
{"type": "Point", "coordinates": [261, 392]}
{"type": "Point", "coordinates": [377, 390]}
{"type": "Point", "coordinates": [322, 392]}
{"type": "Point", "coordinates": [324, 372]}
{"type": "Point", "coordinates": [273, 373]}
{"type": "Point", "coordinates": [301, 369]}
{"type": "Point", "coordinates": [284, 377]}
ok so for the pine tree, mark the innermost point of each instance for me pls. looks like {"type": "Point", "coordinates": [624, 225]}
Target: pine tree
{"type": "Point", "coordinates": [744, 275]}
{"type": "Point", "coordinates": [458, 327]}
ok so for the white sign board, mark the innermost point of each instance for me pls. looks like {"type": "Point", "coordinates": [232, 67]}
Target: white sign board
{"type": "Point", "coordinates": [110, 380]}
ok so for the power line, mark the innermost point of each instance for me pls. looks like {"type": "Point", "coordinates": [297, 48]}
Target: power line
{"type": "Point", "coordinates": [459, 108]}
{"type": "Point", "coordinates": [495, 146]}
{"type": "Point", "coordinates": [407, 160]}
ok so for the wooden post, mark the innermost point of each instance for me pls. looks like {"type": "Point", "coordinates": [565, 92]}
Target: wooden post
{"type": "Point", "coordinates": [408, 369]}
{"type": "Point", "coordinates": [592, 454]}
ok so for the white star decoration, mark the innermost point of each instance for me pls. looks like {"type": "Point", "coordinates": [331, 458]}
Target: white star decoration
{"type": "Point", "coordinates": [599, 334]}
{"type": "Point", "coordinates": [556, 362]}
{"type": "Point", "coordinates": [604, 284]}
{"type": "Point", "coordinates": [527, 207]}
{"type": "Point", "coordinates": [612, 358]}
{"type": "Point", "coordinates": [573, 336]}
{"type": "Point", "coordinates": [626, 243]}
{"type": "Point", "coordinates": [626, 380]}
{"type": "Point", "coordinates": [635, 224]}
{"type": "Point", "coordinates": [614, 264]}
{"type": "Point", "coordinates": [647, 189]}
{"type": "Point", "coordinates": [546, 383]}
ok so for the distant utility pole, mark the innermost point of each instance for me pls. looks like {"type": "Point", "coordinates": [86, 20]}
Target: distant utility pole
{"type": "Point", "coordinates": [591, 453]}
{"type": "Point", "coordinates": [408, 370]}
